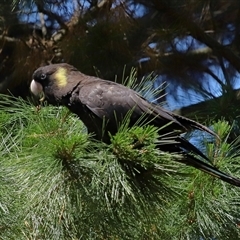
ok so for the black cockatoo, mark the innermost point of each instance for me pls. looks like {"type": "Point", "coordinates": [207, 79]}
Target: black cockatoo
{"type": "Point", "coordinates": [99, 103]}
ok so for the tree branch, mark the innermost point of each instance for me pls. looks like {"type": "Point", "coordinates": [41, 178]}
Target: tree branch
{"type": "Point", "coordinates": [202, 109]}
{"type": "Point", "coordinates": [52, 15]}
{"type": "Point", "coordinates": [9, 39]}
{"type": "Point", "coordinates": [198, 33]}
{"type": "Point", "coordinates": [156, 60]}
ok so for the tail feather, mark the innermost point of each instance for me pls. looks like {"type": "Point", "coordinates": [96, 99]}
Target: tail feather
{"type": "Point", "coordinates": [185, 148]}
{"type": "Point", "coordinates": [201, 165]}
{"type": "Point", "coordinates": [184, 145]}
{"type": "Point", "coordinates": [188, 123]}
{"type": "Point", "coordinates": [213, 171]}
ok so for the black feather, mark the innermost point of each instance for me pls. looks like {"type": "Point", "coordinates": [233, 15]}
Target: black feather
{"type": "Point", "coordinates": [97, 102]}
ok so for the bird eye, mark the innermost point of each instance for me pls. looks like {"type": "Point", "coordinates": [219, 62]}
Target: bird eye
{"type": "Point", "coordinates": [43, 76]}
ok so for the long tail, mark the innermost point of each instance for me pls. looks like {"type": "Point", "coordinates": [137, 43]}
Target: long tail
{"type": "Point", "coordinates": [205, 167]}
{"type": "Point", "coordinates": [184, 147]}
{"type": "Point", "coordinates": [190, 124]}
{"type": "Point", "coordinates": [201, 165]}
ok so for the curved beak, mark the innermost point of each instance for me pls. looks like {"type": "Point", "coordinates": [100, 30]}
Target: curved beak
{"type": "Point", "coordinates": [37, 89]}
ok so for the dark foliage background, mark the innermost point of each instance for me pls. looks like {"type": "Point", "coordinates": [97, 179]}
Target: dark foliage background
{"type": "Point", "coordinates": [56, 183]}
{"type": "Point", "coordinates": [187, 43]}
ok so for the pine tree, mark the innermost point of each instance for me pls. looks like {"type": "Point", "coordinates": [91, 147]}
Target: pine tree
{"type": "Point", "coordinates": [56, 182]}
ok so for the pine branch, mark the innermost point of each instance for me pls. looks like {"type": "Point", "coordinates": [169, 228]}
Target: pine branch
{"type": "Point", "coordinates": [198, 33]}
{"type": "Point", "coordinates": [57, 183]}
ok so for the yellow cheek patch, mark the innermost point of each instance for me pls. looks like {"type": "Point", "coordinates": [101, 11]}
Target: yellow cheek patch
{"type": "Point", "coordinates": [61, 77]}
